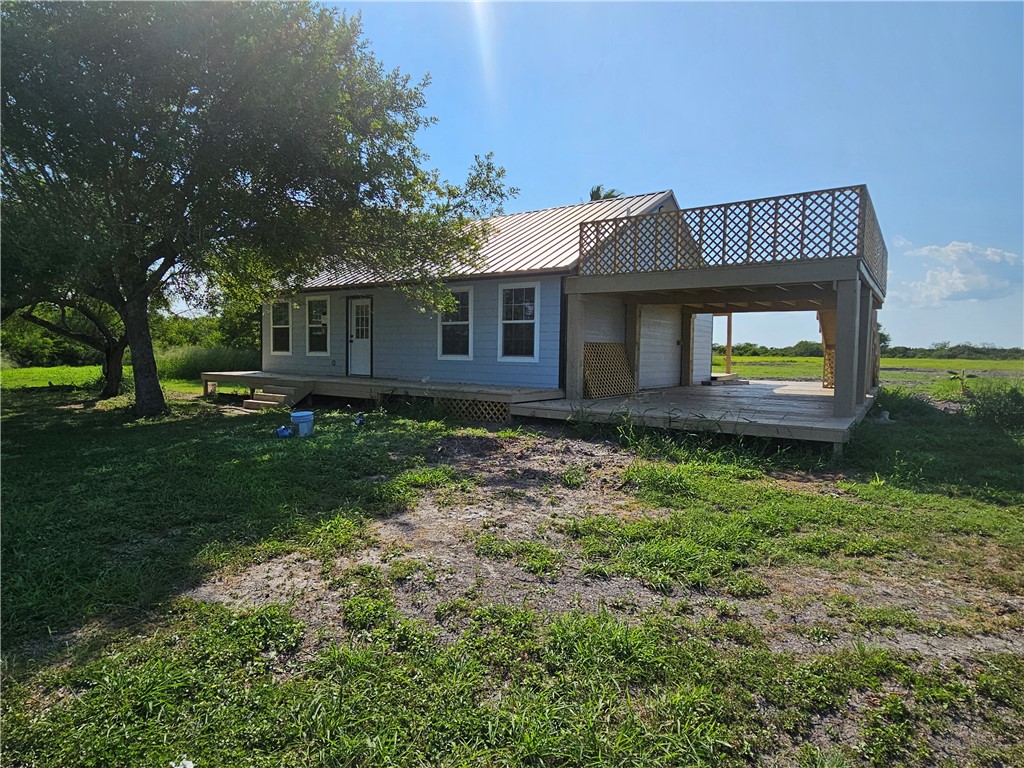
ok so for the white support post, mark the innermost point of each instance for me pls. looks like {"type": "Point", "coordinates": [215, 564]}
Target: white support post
{"type": "Point", "coordinates": [574, 346]}
{"type": "Point", "coordinates": [844, 402]}
{"type": "Point", "coordinates": [864, 343]}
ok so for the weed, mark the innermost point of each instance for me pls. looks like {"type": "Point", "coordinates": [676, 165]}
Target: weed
{"type": "Point", "coordinates": [1000, 406]}
{"type": "Point", "coordinates": [888, 734]}
{"type": "Point", "coordinates": [446, 609]}
{"type": "Point", "coordinates": [368, 612]}
{"type": "Point", "coordinates": [574, 477]}
{"type": "Point", "coordinates": [406, 570]}
{"type": "Point", "coordinates": [746, 586]}
{"type": "Point", "coordinates": [532, 556]}
{"type": "Point", "coordinates": [820, 632]}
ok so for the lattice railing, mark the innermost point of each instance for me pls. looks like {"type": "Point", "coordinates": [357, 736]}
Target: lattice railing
{"type": "Point", "coordinates": [828, 224]}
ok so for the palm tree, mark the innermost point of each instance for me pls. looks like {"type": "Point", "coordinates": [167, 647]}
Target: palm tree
{"type": "Point", "coordinates": [598, 192]}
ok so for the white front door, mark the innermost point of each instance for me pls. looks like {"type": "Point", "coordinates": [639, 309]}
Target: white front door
{"type": "Point", "coordinates": [360, 336]}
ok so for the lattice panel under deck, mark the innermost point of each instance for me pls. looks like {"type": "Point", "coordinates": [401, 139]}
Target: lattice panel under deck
{"type": "Point", "coordinates": [828, 368]}
{"type": "Point", "coordinates": [606, 372]}
{"type": "Point", "coordinates": [476, 410]}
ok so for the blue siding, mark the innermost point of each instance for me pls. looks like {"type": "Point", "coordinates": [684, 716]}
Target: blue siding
{"type": "Point", "coordinates": [405, 339]}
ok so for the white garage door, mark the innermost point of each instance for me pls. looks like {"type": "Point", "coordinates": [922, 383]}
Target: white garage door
{"type": "Point", "coordinates": [661, 329]}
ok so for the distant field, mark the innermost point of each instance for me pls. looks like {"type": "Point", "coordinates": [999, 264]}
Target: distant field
{"type": "Point", "coordinates": [910, 372]}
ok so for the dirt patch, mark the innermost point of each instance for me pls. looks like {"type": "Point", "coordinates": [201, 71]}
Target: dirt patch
{"type": "Point", "coordinates": [517, 490]}
{"type": "Point", "coordinates": [824, 483]}
{"type": "Point", "coordinates": [520, 489]}
{"type": "Point", "coordinates": [956, 621]}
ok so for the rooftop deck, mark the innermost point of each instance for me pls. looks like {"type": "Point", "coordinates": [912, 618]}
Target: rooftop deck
{"type": "Point", "coordinates": [807, 229]}
{"type": "Point", "coordinates": [797, 410]}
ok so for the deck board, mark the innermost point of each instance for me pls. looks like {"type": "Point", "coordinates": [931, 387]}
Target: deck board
{"type": "Point", "coordinates": [784, 409]}
{"type": "Point", "coordinates": [787, 409]}
{"type": "Point", "coordinates": [371, 387]}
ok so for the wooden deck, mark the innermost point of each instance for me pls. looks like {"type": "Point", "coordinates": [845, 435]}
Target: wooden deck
{"type": "Point", "coordinates": [368, 388]}
{"type": "Point", "coordinates": [783, 409]}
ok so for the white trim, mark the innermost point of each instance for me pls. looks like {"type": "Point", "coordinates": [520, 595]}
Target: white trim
{"type": "Point", "coordinates": [440, 317]}
{"type": "Point", "coordinates": [502, 287]}
{"type": "Point", "coordinates": [289, 327]}
{"type": "Point", "coordinates": [327, 324]}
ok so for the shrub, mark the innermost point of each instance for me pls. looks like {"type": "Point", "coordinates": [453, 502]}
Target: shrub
{"type": "Point", "coordinates": [998, 405]}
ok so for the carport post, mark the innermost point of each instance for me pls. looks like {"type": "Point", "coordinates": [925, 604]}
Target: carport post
{"type": "Point", "coordinates": [844, 401]}
{"type": "Point", "coordinates": [863, 342]}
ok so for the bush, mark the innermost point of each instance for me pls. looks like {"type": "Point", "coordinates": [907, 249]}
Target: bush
{"type": "Point", "coordinates": [189, 362]}
{"type": "Point", "coordinates": [998, 405]}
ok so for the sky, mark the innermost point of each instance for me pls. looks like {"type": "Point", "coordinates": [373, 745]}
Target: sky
{"type": "Point", "coordinates": [923, 102]}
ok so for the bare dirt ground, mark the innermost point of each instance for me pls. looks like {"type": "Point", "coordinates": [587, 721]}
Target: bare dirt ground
{"type": "Point", "coordinates": [518, 494]}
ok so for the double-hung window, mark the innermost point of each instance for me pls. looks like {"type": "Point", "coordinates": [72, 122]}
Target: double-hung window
{"type": "Point", "coordinates": [280, 328]}
{"type": "Point", "coordinates": [455, 328]}
{"type": "Point", "coordinates": [317, 326]}
{"type": "Point", "coordinates": [519, 317]}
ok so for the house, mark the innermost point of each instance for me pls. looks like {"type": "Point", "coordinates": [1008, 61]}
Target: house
{"type": "Point", "coordinates": [605, 299]}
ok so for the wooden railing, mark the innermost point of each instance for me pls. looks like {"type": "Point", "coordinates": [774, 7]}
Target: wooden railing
{"type": "Point", "coordinates": [827, 224]}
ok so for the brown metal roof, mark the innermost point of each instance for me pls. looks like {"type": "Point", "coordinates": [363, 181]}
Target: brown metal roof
{"type": "Point", "coordinates": [533, 241]}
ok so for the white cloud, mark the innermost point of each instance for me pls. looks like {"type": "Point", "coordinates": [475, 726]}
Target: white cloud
{"type": "Point", "coordinates": [961, 253]}
{"type": "Point", "coordinates": [901, 242]}
{"type": "Point", "coordinates": [965, 272]}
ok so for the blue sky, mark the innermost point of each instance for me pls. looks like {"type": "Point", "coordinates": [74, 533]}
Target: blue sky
{"type": "Point", "coordinates": [923, 102]}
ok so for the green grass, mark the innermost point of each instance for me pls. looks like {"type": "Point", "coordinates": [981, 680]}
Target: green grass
{"type": "Point", "coordinates": [106, 519]}
{"type": "Point", "coordinates": [219, 687]}
{"type": "Point", "coordinates": [88, 376]}
{"type": "Point", "coordinates": [930, 374]}
{"type": "Point", "coordinates": [93, 539]}
{"type": "Point", "coordinates": [63, 375]}
{"type": "Point", "coordinates": [534, 556]}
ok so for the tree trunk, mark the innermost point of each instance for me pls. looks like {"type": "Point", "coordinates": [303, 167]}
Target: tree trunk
{"type": "Point", "coordinates": [149, 398]}
{"type": "Point", "coordinates": [113, 369]}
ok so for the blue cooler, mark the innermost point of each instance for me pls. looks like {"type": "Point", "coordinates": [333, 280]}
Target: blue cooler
{"type": "Point", "coordinates": [303, 421]}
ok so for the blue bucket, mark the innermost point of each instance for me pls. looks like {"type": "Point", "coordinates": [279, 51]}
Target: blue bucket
{"type": "Point", "coordinates": [303, 421]}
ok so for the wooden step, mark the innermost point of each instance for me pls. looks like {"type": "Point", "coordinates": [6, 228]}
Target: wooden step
{"type": "Point", "coordinates": [256, 405]}
{"type": "Point", "coordinates": [272, 397]}
{"type": "Point", "coordinates": [278, 390]}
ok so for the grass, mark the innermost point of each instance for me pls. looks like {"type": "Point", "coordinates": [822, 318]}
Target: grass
{"type": "Point", "coordinates": [86, 377]}
{"type": "Point", "coordinates": [93, 541]}
{"type": "Point", "coordinates": [928, 374]}
{"type": "Point", "coordinates": [106, 519]}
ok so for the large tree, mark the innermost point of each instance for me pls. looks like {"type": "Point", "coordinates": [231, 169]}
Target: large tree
{"type": "Point", "coordinates": [246, 144]}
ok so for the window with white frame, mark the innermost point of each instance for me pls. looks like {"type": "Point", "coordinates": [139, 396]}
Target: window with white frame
{"type": "Point", "coordinates": [518, 315]}
{"type": "Point", "coordinates": [317, 326]}
{"type": "Point", "coordinates": [280, 328]}
{"type": "Point", "coordinates": [455, 328]}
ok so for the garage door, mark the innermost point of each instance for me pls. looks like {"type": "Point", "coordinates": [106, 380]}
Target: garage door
{"type": "Point", "coordinates": [661, 329]}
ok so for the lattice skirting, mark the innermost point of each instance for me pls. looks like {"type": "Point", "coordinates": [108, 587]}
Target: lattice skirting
{"type": "Point", "coordinates": [828, 368]}
{"type": "Point", "coordinates": [606, 371]}
{"type": "Point", "coordinates": [475, 410]}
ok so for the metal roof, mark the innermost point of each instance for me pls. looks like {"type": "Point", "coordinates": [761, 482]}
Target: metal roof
{"type": "Point", "coordinates": [534, 241]}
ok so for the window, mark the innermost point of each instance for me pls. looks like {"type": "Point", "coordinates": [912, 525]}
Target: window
{"type": "Point", "coordinates": [280, 328]}
{"type": "Point", "coordinates": [317, 328]}
{"type": "Point", "coordinates": [518, 313]}
{"type": "Point", "coordinates": [455, 329]}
